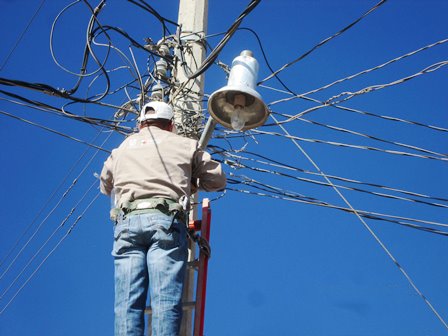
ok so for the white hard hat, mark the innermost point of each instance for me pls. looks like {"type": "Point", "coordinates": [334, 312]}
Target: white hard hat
{"type": "Point", "coordinates": [156, 110]}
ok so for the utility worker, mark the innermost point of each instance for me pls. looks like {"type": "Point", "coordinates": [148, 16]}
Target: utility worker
{"type": "Point", "coordinates": [150, 173]}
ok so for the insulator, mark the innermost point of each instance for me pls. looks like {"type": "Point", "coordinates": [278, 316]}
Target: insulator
{"type": "Point", "coordinates": [157, 92]}
{"type": "Point", "coordinates": [161, 67]}
{"type": "Point", "coordinates": [164, 50]}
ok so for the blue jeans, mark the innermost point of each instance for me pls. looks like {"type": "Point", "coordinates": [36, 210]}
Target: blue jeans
{"type": "Point", "coordinates": [149, 249]}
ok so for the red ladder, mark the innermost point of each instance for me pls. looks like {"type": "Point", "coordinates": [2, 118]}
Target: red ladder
{"type": "Point", "coordinates": [203, 226]}
{"type": "Point", "coordinates": [200, 264]}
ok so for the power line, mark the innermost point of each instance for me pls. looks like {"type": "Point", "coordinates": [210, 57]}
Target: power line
{"type": "Point", "coordinates": [371, 137]}
{"type": "Point", "coordinates": [112, 124]}
{"type": "Point", "coordinates": [49, 199]}
{"type": "Point", "coordinates": [328, 39]}
{"type": "Point", "coordinates": [353, 110]}
{"type": "Point", "coordinates": [55, 132]}
{"type": "Point", "coordinates": [340, 144]}
{"type": "Point", "coordinates": [144, 5]}
{"type": "Point", "coordinates": [277, 164]}
{"type": "Point", "coordinates": [369, 229]}
{"type": "Point", "coordinates": [363, 72]}
{"type": "Point", "coordinates": [24, 268]}
{"type": "Point", "coordinates": [365, 214]}
{"type": "Point", "coordinates": [61, 199]}
{"type": "Point", "coordinates": [5, 61]}
{"type": "Point", "coordinates": [240, 165]}
{"type": "Point", "coordinates": [50, 253]}
{"type": "Point", "coordinates": [215, 52]}
{"type": "Point", "coordinates": [348, 95]}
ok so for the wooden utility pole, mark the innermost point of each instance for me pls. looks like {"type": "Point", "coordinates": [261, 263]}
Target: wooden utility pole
{"type": "Point", "coordinates": [188, 108]}
{"type": "Point", "coordinates": [187, 99]}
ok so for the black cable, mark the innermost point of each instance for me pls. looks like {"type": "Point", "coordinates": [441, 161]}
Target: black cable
{"type": "Point", "coordinates": [111, 124]}
{"type": "Point", "coordinates": [90, 36]}
{"type": "Point", "coordinates": [86, 52]}
{"type": "Point", "coordinates": [343, 179]}
{"type": "Point", "coordinates": [44, 88]}
{"type": "Point", "coordinates": [320, 183]}
{"type": "Point", "coordinates": [54, 248]}
{"type": "Point", "coordinates": [5, 61]}
{"type": "Point", "coordinates": [49, 199]}
{"type": "Point", "coordinates": [323, 42]}
{"type": "Point", "coordinates": [159, 17]}
{"type": "Point", "coordinates": [328, 205]}
{"type": "Point", "coordinates": [55, 132]}
{"type": "Point", "coordinates": [122, 32]}
{"type": "Point", "coordinates": [338, 144]}
{"type": "Point", "coordinates": [214, 54]}
{"type": "Point", "coordinates": [266, 60]}
{"type": "Point", "coordinates": [348, 131]}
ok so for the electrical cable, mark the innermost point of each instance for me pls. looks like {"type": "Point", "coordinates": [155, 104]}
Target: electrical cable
{"type": "Point", "coordinates": [214, 54]}
{"type": "Point", "coordinates": [363, 72]}
{"type": "Point", "coordinates": [140, 81]}
{"type": "Point", "coordinates": [89, 38]}
{"type": "Point", "coordinates": [87, 49]}
{"type": "Point", "coordinates": [368, 136]}
{"type": "Point", "coordinates": [106, 28]}
{"type": "Point", "coordinates": [363, 214]}
{"type": "Point", "coordinates": [370, 114]}
{"type": "Point", "coordinates": [278, 164]}
{"type": "Point", "coordinates": [24, 268]}
{"type": "Point", "coordinates": [323, 42]}
{"type": "Point", "coordinates": [62, 198]}
{"type": "Point", "coordinates": [112, 124]}
{"type": "Point", "coordinates": [49, 199]}
{"type": "Point", "coordinates": [348, 95]}
{"type": "Point", "coordinates": [369, 229]}
{"type": "Point", "coordinates": [406, 221]}
{"type": "Point", "coordinates": [389, 196]}
{"type": "Point", "coordinates": [44, 88]}
{"type": "Point", "coordinates": [50, 253]}
{"type": "Point", "coordinates": [144, 5]}
{"type": "Point", "coordinates": [55, 132]}
{"type": "Point", "coordinates": [5, 61]}
{"type": "Point", "coordinates": [342, 145]}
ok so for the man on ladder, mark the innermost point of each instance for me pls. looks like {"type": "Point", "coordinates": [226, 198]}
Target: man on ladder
{"type": "Point", "coordinates": [152, 174]}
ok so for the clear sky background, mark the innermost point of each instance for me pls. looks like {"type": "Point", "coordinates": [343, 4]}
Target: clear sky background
{"type": "Point", "coordinates": [279, 267]}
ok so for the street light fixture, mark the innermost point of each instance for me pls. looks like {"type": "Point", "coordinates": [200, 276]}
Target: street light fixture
{"type": "Point", "coordinates": [237, 105]}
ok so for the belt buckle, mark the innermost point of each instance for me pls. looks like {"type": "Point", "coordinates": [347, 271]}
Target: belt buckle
{"type": "Point", "coordinates": [144, 205]}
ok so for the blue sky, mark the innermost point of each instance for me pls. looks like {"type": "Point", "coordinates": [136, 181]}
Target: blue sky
{"type": "Point", "coordinates": [279, 267]}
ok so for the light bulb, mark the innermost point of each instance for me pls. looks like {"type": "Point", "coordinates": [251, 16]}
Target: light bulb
{"type": "Point", "coordinates": [237, 119]}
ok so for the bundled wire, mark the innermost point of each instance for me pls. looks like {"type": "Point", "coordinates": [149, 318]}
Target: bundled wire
{"type": "Point", "coordinates": [340, 144]}
{"type": "Point", "coordinates": [55, 132]}
{"type": "Point", "coordinates": [111, 124]}
{"type": "Point", "coordinates": [328, 39]}
{"type": "Point", "coordinates": [239, 160]}
{"type": "Point", "coordinates": [360, 73]}
{"type": "Point", "coordinates": [233, 28]}
{"type": "Point", "coordinates": [144, 5]}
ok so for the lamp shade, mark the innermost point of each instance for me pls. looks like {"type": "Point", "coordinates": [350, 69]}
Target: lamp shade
{"type": "Point", "coordinates": [238, 105]}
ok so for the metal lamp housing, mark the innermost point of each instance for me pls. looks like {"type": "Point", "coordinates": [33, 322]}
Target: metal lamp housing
{"type": "Point", "coordinates": [240, 93]}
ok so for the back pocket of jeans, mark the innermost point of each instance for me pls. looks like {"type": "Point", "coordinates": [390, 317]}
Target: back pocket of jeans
{"type": "Point", "coordinates": [167, 234]}
{"type": "Point", "coordinates": [121, 238]}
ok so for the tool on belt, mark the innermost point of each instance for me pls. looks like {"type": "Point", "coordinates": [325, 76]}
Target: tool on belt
{"type": "Point", "coordinates": [165, 205]}
{"type": "Point", "coordinates": [168, 206]}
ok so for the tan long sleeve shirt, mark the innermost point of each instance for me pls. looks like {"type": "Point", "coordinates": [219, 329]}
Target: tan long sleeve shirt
{"type": "Point", "coordinates": [158, 163]}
